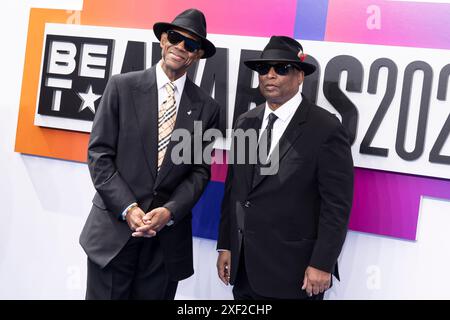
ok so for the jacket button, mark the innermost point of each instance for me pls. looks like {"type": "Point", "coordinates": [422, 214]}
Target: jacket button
{"type": "Point", "coordinates": [155, 193]}
{"type": "Point", "coordinates": [247, 204]}
{"type": "Point", "coordinates": [240, 231]}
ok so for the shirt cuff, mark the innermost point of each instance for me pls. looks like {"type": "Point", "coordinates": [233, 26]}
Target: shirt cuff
{"type": "Point", "coordinates": [124, 213]}
{"type": "Point", "coordinates": [171, 221]}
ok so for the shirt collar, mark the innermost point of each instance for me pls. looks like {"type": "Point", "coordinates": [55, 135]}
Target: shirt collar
{"type": "Point", "coordinates": [162, 79]}
{"type": "Point", "coordinates": [285, 111]}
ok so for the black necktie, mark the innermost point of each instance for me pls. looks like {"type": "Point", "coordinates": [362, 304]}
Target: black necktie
{"type": "Point", "coordinates": [268, 132]}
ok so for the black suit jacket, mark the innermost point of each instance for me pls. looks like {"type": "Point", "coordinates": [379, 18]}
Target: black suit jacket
{"type": "Point", "coordinates": [297, 217]}
{"type": "Point", "coordinates": [122, 160]}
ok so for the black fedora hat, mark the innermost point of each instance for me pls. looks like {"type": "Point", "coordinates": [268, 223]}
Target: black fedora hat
{"type": "Point", "coordinates": [282, 49]}
{"type": "Point", "coordinates": [192, 21]}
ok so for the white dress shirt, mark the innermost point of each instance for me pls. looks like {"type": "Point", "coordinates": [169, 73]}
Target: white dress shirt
{"type": "Point", "coordinates": [284, 113]}
{"type": "Point", "coordinates": [162, 80]}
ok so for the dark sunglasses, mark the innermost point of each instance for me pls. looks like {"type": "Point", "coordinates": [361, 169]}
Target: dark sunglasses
{"type": "Point", "coordinates": [281, 69]}
{"type": "Point", "coordinates": [189, 44]}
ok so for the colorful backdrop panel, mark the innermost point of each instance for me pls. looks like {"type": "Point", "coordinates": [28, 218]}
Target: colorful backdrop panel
{"type": "Point", "coordinates": [383, 69]}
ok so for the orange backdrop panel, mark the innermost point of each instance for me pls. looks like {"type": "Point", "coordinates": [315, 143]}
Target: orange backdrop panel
{"type": "Point", "coordinates": [31, 139]}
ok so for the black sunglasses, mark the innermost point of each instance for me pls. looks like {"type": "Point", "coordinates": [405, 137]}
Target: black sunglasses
{"type": "Point", "coordinates": [281, 69]}
{"type": "Point", "coordinates": [189, 44]}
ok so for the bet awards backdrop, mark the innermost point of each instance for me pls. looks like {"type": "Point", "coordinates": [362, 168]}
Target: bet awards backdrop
{"type": "Point", "coordinates": [383, 69]}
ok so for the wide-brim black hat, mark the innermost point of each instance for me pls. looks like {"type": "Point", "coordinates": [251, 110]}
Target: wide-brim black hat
{"type": "Point", "coordinates": [282, 49]}
{"type": "Point", "coordinates": [192, 21]}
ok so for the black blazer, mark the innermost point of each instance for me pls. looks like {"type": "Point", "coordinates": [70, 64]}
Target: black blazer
{"type": "Point", "coordinates": [297, 217]}
{"type": "Point", "coordinates": [122, 160]}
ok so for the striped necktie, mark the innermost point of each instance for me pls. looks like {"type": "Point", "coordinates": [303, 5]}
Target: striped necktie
{"type": "Point", "coordinates": [166, 121]}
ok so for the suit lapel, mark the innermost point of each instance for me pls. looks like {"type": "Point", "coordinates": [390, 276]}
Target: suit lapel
{"type": "Point", "coordinates": [294, 129]}
{"type": "Point", "coordinates": [188, 112]}
{"type": "Point", "coordinates": [145, 96]}
{"type": "Point", "coordinates": [254, 124]}
{"type": "Point", "coordinates": [291, 134]}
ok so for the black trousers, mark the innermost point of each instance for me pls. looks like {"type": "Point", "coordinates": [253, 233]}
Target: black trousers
{"type": "Point", "coordinates": [137, 273]}
{"type": "Point", "coordinates": [242, 289]}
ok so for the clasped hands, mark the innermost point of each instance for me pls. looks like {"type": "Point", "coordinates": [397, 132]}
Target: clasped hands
{"type": "Point", "coordinates": [147, 224]}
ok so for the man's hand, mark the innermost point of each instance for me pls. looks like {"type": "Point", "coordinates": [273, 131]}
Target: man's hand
{"type": "Point", "coordinates": [134, 218]}
{"type": "Point", "coordinates": [224, 266]}
{"type": "Point", "coordinates": [316, 281]}
{"type": "Point", "coordinates": [154, 221]}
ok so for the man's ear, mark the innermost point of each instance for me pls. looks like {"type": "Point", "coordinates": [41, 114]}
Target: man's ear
{"type": "Point", "coordinates": [163, 40]}
{"type": "Point", "coordinates": [301, 77]}
{"type": "Point", "coordinates": [200, 53]}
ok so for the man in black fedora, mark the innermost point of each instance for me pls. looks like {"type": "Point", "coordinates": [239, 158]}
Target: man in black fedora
{"type": "Point", "coordinates": [138, 235]}
{"type": "Point", "coordinates": [281, 231]}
